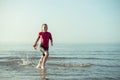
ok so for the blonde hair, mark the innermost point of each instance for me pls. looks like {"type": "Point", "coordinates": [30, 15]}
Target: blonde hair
{"type": "Point", "coordinates": [44, 25]}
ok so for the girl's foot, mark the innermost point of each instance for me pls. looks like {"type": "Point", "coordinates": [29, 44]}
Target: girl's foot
{"type": "Point", "coordinates": [38, 66]}
{"type": "Point", "coordinates": [42, 67]}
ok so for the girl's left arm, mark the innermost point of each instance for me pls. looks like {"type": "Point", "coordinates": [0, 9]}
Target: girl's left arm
{"type": "Point", "coordinates": [51, 40]}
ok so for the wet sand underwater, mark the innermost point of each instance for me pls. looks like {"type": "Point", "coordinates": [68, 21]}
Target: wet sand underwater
{"type": "Point", "coordinates": [65, 62]}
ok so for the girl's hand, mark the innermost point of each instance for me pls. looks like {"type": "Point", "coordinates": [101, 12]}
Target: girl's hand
{"type": "Point", "coordinates": [51, 44]}
{"type": "Point", "coordinates": [35, 46]}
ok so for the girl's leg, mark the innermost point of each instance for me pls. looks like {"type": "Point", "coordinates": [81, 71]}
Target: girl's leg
{"type": "Point", "coordinates": [41, 59]}
{"type": "Point", "coordinates": [40, 62]}
{"type": "Point", "coordinates": [44, 59]}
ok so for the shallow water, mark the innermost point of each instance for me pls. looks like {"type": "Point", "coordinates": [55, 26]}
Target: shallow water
{"type": "Point", "coordinates": [65, 62]}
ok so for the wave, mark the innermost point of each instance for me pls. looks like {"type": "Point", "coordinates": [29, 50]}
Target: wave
{"type": "Point", "coordinates": [68, 51]}
{"type": "Point", "coordinates": [8, 62]}
{"type": "Point", "coordinates": [38, 57]}
{"type": "Point", "coordinates": [70, 64]}
{"type": "Point", "coordinates": [80, 65]}
{"type": "Point", "coordinates": [83, 58]}
{"type": "Point", "coordinates": [102, 65]}
{"type": "Point", "coordinates": [25, 62]}
{"type": "Point", "coordinates": [101, 51]}
{"type": "Point", "coordinates": [30, 62]}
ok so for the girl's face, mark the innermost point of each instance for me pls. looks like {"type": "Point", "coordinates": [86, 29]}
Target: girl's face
{"type": "Point", "coordinates": [44, 28]}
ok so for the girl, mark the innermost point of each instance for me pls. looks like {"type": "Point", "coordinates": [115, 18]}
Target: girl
{"type": "Point", "coordinates": [44, 46]}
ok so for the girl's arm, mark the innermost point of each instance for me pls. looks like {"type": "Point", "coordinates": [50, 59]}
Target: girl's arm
{"type": "Point", "coordinates": [36, 42]}
{"type": "Point", "coordinates": [51, 40]}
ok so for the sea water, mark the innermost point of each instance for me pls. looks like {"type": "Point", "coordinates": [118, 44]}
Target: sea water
{"type": "Point", "coordinates": [65, 62]}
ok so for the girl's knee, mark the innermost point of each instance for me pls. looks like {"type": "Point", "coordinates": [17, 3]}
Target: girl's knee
{"type": "Point", "coordinates": [46, 54]}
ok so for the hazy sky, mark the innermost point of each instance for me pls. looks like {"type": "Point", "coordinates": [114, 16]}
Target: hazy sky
{"type": "Point", "coordinates": [70, 21]}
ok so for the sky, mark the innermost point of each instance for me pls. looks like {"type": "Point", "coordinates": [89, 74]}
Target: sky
{"type": "Point", "coordinates": [69, 21]}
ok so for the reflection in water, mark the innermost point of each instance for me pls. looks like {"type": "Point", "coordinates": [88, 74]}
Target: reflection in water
{"type": "Point", "coordinates": [43, 74]}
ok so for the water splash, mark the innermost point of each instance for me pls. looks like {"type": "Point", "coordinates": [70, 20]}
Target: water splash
{"type": "Point", "coordinates": [26, 61]}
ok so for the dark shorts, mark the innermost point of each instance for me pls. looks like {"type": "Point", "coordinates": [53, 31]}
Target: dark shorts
{"type": "Point", "coordinates": [44, 48]}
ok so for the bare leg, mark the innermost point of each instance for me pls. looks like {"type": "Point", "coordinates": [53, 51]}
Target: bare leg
{"type": "Point", "coordinates": [44, 59]}
{"type": "Point", "coordinates": [40, 62]}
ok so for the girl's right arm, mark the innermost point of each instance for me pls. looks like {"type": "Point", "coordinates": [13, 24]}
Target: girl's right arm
{"type": "Point", "coordinates": [36, 42]}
